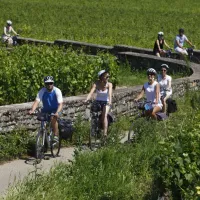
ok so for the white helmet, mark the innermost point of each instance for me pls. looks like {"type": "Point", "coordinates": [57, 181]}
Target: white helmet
{"type": "Point", "coordinates": [9, 22]}
{"type": "Point", "coordinates": [165, 66]}
{"type": "Point", "coordinates": [101, 72]}
{"type": "Point", "coordinates": [48, 79]}
{"type": "Point", "coordinates": [151, 71]}
{"type": "Point", "coordinates": [160, 33]}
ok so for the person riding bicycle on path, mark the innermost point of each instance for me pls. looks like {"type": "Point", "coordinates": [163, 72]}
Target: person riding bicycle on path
{"type": "Point", "coordinates": [179, 42]}
{"type": "Point", "coordinates": [52, 101]}
{"type": "Point", "coordinates": [103, 90]}
{"type": "Point", "coordinates": [152, 91]}
{"type": "Point", "coordinates": [165, 85]}
{"type": "Point", "coordinates": [159, 44]}
{"type": "Point", "coordinates": [7, 31]}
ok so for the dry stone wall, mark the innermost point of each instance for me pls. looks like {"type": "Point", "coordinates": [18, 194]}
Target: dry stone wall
{"type": "Point", "coordinates": [16, 116]}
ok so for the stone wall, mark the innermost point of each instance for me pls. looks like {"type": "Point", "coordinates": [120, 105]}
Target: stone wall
{"type": "Point", "coordinates": [15, 116]}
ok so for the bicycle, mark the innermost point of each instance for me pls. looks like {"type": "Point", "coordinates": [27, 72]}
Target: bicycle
{"type": "Point", "coordinates": [45, 138]}
{"type": "Point", "coordinates": [190, 56]}
{"type": "Point", "coordinates": [95, 136]}
{"type": "Point", "coordinates": [141, 107]}
{"type": "Point", "coordinates": [12, 42]}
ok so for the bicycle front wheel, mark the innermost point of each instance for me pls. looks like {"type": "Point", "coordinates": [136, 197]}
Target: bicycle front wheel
{"type": "Point", "coordinates": [55, 146]}
{"type": "Point", "coordinates": [39, 147]}
{"type": "Point", "coordinates": [194, 59]}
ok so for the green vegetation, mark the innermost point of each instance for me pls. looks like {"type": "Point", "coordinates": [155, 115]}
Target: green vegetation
{"type": "Point", "coordinates": [23, 69]}
{"type": "Point", "coordinates": [162, 157]}
{"type": "Point", "coordinates": [16, 144]}
{"type": "Point", "coordinates": [130, 22]}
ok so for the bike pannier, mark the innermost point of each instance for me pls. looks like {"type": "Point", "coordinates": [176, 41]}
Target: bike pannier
{"type": "Point", "coordinates": [171, 105]}
{"type": "Point", "coordinates": [65, 129]}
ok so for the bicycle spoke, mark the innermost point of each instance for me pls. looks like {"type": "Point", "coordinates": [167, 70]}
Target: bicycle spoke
{"type": "Point", "coordinates": [39, 146]}
{"type": "Point", "coordinates": [55, 145]}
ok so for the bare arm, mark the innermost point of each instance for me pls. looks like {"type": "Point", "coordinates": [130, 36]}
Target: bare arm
{"type": "Point", "coordinates": [177, 42]}
{"type": "Point", "coordinates": [34, 106]}
{"type": "Point", "coordinates": [110, 93]}
{"type": "Point", "coordinates": [189, 43]}
{"type": "Point", "coordinates": [141, 94]}
{"type": "Point", "coordinates": [5, 33]}
{"type": "Point", "coordinates": [165, 43]}
{"type": "Point", "coordinates": [157, 92]}
{"type": "Point", "coordinates": [91, 92]}
{"type": "Point", "coordinates": [14, 31]}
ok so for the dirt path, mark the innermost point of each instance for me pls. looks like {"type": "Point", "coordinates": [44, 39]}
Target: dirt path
{"type": "Point", "coordinates": [18, 169]}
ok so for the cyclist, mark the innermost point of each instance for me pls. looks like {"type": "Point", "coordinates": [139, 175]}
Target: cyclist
{"type": "Point", "coordinates": [8, 29]}
{"type": "Point", "coordinates": [159, 44]}
{"type": "Point", "coordinates": [52, 101]}
{"type": "Point", "coordinates": [165, 85]}
{"type": "Point", "coordinates": [152, 91]}
{"type": "Point", "coordinates": [179, 42]}
{"type": "Point", "coordinates": [103, 90]}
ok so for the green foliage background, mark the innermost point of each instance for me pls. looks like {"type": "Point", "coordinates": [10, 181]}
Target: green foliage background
{"type": "Point", "coordinates": [23, 69]}
{"type": "Point", "coordinates": [131, 22]}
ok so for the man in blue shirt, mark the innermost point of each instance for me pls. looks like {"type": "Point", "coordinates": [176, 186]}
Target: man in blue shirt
{"type": "Point", "coordinates": [52, 101]}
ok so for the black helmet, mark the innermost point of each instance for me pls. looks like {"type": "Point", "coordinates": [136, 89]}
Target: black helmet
{"type": "Point", "coordinates": [48, 79]}
{"type": "Point", "coordinates": [181, 30]}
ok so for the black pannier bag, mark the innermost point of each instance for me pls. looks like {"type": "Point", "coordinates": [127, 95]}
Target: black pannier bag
{"type": "Point", "coordinates": [65, 128]}
{"type": "Point", "coordinates": [171, 105]}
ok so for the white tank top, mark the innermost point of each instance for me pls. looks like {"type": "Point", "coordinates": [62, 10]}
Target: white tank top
{"type": "Point", "coordinates": [102, 95]}
{"type": "Point", "coordinates": [150, 91]}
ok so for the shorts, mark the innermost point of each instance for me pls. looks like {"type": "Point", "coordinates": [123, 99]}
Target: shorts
{"type": "Point", "coordinates": [180, 50]}
{"type": "Point", "coordinates": [47, 114]}
{"type": "Point", "coordinates": [102, 104]}
{"type": "Point", "coordinates": [152, 106]}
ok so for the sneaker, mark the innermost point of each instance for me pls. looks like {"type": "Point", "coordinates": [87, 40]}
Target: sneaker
{"type": "Point", "coordinates": [56, 139]}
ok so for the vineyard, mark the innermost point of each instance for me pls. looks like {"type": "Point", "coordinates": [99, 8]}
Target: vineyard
{"type": "Point", "coordinates": [130, 22]}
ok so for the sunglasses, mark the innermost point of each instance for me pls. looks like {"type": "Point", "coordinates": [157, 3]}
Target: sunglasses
{"type": "Point", "coordinates": [107, 76]}
{"type": "Point", "coordinates": [151, 74]}
{"type": "Point", "coordinates": [164, 70]}
{"type": "Point", "coordinates": [49, 83]}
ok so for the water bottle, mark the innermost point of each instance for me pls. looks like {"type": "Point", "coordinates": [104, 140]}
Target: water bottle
{"type": "Point", "coordinates": [147, 107]}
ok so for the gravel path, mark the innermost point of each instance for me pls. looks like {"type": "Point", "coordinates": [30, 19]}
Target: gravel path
{"type": "Point", "coordinates": [18, 169]}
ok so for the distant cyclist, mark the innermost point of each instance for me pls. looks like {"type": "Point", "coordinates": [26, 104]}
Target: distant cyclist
{"type": "Point", "coordinates": [165, 85]}
{"type": "Point", "coordinates": [152, 91]}
{"type": "Point", "coordinates": [103, 90]}
{"type": "Point", "coordinates": [7, 33]}
{"type": "Point", "coordinates": [159, 45]}
{"type": "Point", "coordinates": [52, 101]}
{"type": "Point", "coordinates": [179, 42]}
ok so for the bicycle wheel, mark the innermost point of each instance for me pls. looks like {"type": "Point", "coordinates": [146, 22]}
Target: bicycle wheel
{"type": "Point", "coordinates": [131, 133]}
{"type": "Point", "coordinates": [93, 137]}
{"type": "Point", "coordinates": [194, 59]}
{"type": "Point", "coordinates": [39, 148]}
{"type": "Point", "coordinates": [55, 145]}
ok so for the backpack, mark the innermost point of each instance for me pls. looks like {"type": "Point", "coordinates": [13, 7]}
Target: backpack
{"type": "Point", "coordinates": [66, 129]}
{"type": "Point", "coordinates": [171, 105]}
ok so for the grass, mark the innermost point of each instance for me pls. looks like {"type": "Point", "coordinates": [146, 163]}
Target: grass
{"type": "Point", "coordinates": [122, 171]}
{"type": "Point", "coordinates": [130, 22]}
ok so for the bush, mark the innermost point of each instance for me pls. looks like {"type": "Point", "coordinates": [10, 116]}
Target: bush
{"type": "Point", "coordinates": [23, 69]}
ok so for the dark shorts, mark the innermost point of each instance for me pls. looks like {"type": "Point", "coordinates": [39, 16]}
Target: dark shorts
{"type": "Point", "coordinates": [102, 104]}
{"type": "Point", "coordinates": [46, 114]}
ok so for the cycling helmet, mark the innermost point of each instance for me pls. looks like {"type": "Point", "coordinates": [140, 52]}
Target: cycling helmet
{"type": "Point", "coordinates": [160, 33]}
{"type": "Point", "coordinates": [48, 79]}
{"type": "Point", "coordinates": [101, 72]}
{"type": "Point", "coordinates": [165, 66]}
{"type": "Point", "coordinates": [181, 30]}
{"type": "Point", "coordinates": [9, 22]}
{"type": "Point", "coordinates": [151, 71]}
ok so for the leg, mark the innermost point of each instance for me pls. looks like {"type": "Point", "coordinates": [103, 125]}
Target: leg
{"type": "Point", "coordinates": [105, 119]}
{"type": "Point", "coordinates": [157, 54]}
{"type": "Point", "coordinates": [54, 124]}
{"type": "Point", "coordinates": [164, 109]}
{"type": "Point", "coordinates": [154, 111]}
